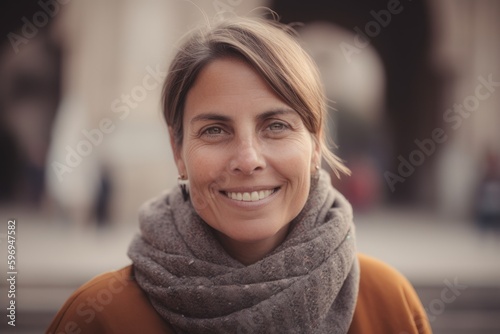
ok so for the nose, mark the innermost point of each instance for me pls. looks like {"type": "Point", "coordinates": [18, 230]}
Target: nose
{"type": "Point", "coordinates": [247, 157]}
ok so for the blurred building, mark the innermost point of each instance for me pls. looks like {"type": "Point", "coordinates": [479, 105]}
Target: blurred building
{"type": "Point", "coordinates": [80, 99]}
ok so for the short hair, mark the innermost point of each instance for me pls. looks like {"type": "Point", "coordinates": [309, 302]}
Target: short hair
{"type": "Point", "coordinates": [272, 50]}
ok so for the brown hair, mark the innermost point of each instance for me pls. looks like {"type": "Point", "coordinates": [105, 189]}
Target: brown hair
{"type": "Point", "coordinates": [270, 48]}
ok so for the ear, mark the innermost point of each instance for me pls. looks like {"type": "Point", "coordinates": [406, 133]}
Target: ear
{"type": "Point", "coordinates": [176, 150]}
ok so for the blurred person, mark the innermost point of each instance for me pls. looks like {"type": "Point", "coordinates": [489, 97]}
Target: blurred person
{"type": "Point", "coordinates": [255, 239]}
{"type": "Point", "coordinates": [29, 96]}
{"type": "Point", "coordinates": [74, 189]}
{"type": "Point", "coordinates": [78, 177]}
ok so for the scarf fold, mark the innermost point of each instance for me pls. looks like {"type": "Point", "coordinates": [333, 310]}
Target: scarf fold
{"type": "Point", "coordinates": [308, 284]}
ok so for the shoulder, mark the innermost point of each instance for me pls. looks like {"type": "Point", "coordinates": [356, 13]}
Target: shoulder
{"type": "Point", "coordinates": [387, 302]}
{"type": "Point", "coordinates": [379, 275]}
{"type": "Point", "coordinates": [110, 302]}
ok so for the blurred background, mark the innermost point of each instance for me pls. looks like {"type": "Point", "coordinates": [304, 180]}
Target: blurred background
{"type": "Point", "coordinates": [414, 89]}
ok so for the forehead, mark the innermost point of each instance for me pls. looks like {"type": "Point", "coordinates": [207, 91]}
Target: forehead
{"type": "Point", "coordinates": [230, 84]}
{"type": "Point", "coordinates": [228, 75]}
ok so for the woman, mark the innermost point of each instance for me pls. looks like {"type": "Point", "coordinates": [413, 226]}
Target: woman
{"type": "Point", "coordinates": [255, 240]}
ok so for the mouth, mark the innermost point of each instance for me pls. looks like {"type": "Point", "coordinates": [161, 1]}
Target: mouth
{"type": "Point", "coordinates": [252, 196]}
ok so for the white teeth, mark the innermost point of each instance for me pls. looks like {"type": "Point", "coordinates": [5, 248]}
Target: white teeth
{"type": "Point", "coordinates": [250, 197]}
{"type": "Point", "coordinates": [255, 196]}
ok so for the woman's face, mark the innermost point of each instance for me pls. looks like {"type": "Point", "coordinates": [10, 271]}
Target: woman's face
{"type": "Point", "coordinates": [246, 153]}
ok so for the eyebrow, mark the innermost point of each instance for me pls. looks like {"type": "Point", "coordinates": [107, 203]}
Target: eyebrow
{"type": "Point", "coordinates": [275, 112]}
{"type": "Point", "coordinates": [223, 118]}
{"type": "Point", "coordinates": [210, 117]}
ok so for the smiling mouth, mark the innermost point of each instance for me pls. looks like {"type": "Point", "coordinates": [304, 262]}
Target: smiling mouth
{"type": "Point", "coordinates": [250, 196]}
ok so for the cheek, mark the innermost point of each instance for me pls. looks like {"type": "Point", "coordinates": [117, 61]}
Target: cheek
{"type": "Point", "coordinates": [293, 156]}
{"type": "Point", "coordinates": [205, 167]}
{"type": "Point", "coordinates": [293, 163]}
{"type": "Point", "coordinates": [200, 172]}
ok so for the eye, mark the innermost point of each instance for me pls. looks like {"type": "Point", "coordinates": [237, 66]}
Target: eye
{"type": "Point", "coordinates": [277, 126]}
{"type": "Point", "coordinates": [213, 131]}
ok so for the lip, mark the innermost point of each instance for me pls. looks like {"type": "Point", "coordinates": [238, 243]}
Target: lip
{"type": "Point", "coordinates": [249, 204]}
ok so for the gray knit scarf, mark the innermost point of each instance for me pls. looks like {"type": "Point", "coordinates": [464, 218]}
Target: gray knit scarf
{"type": "Point", "coordinates": [308, 284]}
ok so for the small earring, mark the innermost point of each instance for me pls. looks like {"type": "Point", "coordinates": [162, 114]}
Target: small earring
{"type": "Point", "coordinates": [317, 167]}
{"type": "Point", "coordinates": [183, 183]}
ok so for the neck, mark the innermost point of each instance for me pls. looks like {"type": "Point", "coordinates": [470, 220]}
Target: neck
{"type": "Point", "coordinates": [249, 252]}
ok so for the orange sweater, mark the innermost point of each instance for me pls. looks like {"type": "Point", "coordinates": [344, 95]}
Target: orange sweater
{"type": "Point", "coordinates": [114, 303]}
